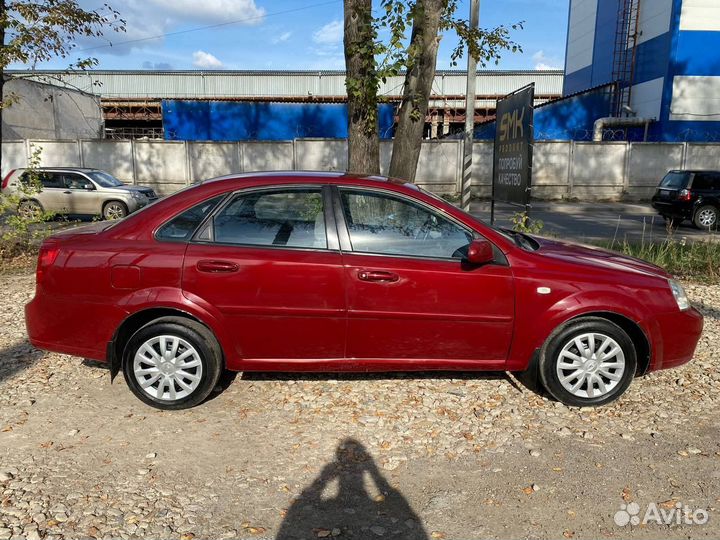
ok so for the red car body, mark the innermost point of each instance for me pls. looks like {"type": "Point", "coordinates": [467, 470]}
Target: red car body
{"type": "Point", "coordinates": [310, 310]}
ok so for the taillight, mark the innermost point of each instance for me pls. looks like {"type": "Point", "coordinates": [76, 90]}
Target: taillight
{"type": "Point", "coordinates": [46, 258]}
{"type": "Point", "coordinates": [7, 178]}
{"type": "Point", "coordinates": [685, 195]}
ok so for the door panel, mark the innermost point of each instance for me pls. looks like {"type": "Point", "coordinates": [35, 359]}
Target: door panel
{"type": "Point", "coordinates": [433, 310]}
{"type": "Point", "coordinates": [410, 295]}
{"type": "Point", "coordinates": [81, 200]}
{"type": "Point", "coordinates": [279, 304]}
{"type": "Point", "coordinates": [264, 264]}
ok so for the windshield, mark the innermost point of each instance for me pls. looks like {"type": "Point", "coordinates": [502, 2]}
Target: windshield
{"type": "Point", "coordinates": [105, 179]}
{"type": "Point", "coordinates": [674, 179]}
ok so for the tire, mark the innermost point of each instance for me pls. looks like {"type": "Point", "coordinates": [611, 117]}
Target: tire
{"type": "Point", "coordinates": [159, 384]}
{"type": "Point", "coordinates": [30, 209]}
{"type": "Point", "coordinates": [114, 210]}
{"type": "Point", "coordinates": [707, 217]}
{"type": "Point", "coordinates": [562, 348]}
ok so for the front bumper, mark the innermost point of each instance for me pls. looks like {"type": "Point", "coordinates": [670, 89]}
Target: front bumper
{"type": "Point", "coordinates": [675, 337]}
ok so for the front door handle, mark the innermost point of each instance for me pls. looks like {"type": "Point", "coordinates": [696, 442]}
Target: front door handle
{"type": "Point", "coordinates": [67, 192]}
{"type": "Point", "coordinates": [217, 267]}
{"type": "Point", "coordinates": [377, 276]}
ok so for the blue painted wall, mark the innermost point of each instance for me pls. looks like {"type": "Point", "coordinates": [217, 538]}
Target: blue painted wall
{"type": "Point", "coordinates": [187, 120]}
{"type": "Point", "coordinates": [567, 119]}
{"type": "Point", "coordinates": [604, 44]}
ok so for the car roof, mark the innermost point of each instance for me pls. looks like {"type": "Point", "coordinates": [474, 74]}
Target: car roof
{"type": "Point", "coordinates": [303, 176]}
{"type": "Point", "coordinates": [694, 170]}
{"type": "Point", "coordinates": [51, 169]}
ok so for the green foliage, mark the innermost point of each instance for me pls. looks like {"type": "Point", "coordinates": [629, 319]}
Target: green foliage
{"type": "Point", "coordinates": [23, 222]}
{"type": "Point", "coordinates": [388, 57]}
{"type": "Point", "coordinates": [41, 30]}
{"type": "Point", "coordinates": [522, 223]}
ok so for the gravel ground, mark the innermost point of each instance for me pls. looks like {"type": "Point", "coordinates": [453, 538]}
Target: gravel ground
{"type": "Point", "coordinates": [371, 456]}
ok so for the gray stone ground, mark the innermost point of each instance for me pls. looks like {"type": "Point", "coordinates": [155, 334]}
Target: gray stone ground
{"type": "Point", "coordinates": [366, 456]}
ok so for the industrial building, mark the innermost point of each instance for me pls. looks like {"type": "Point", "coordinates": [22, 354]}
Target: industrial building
{"type": "Point", "coordinates": [636, 70]}
{"type": "Point", "coordinates": [278, 105]}
{"type": "Point", "coordinates": [662, 55]}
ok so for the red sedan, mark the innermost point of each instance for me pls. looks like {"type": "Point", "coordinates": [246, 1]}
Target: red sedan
{"type": "Point", "coordinates": [334, 272]}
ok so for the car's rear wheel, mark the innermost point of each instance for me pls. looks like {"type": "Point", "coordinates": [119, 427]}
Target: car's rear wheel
{"type": "Point", "coordinates": [172, 363]}
{"type": "Point", "coordinates": [30, 209]}
{"type": "Point", "coordinates": [588, 362]}
{"type": "Point", "coordinates": [114, 210]}
{"type": "Point", "coordinates": [707, 217]}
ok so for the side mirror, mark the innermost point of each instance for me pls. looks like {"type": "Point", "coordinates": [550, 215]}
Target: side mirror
{"type": "Point", "coordinates": [480, 251]}
{"type": "Point", "coordinates": [89, 187]}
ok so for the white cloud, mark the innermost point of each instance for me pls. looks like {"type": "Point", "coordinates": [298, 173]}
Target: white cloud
{"type": "Point", "coordinates": [544, 62]}
{"type": "Point", "coordinates": [329, 35]}
{"type": "Point", "coordinates": [205, 60]}
{"type": "Point", "coordinates": [281, 38]}
{"type": "Point", "coordinates": [210, 11]}
{"type": "Point", "coordinates": [147, 19]}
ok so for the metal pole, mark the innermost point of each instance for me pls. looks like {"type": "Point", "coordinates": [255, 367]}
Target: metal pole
{"type": "Point", "coordinates": [469, 114]}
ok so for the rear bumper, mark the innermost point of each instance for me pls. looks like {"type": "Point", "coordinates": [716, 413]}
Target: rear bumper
{"type": "Point", "coordinates": [677, 209]}
{"type": "Point", "coordinates": [70, 328]}
{"type": "Point", "coordinates": [675, 337]}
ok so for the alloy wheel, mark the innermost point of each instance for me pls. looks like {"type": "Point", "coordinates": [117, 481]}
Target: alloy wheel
{"type": "Point", "coordinates": [707, 217]}
{"type": "Point", "coordinates": [114, 211]}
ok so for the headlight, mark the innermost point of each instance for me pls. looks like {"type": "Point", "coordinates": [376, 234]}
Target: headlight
{"type": "Point", "coordinates": [679, 294]}
{"type": "Point", "coordinates": [136, 195]}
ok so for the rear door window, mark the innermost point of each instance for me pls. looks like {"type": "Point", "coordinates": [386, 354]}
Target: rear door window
{"type": "Point", "coordinates": [706, 181]}
{"type": "Point", "coordinates": [675, 180]}
{"type": "Point", "coordinates": [42, 178]}
{"type": "Point", "coordinates": [282, 218]}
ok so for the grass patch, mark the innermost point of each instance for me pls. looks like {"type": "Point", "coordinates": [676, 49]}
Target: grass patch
{"type": "Point", "coordinates": [698, 260]}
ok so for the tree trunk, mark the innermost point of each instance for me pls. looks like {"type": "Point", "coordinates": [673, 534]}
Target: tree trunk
{"type": "Point", "coordinates": [361, 84]}
{"type": "Point", "coordinates": [422, 57]}
{"type": "Point", "coordinates": [2, 67]}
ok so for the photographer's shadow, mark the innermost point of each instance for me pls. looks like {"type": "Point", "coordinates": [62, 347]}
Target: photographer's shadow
{"type": "Point", "coordinates": [338, 503]}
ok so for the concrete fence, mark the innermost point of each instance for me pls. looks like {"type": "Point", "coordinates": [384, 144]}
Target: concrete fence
{"type": "Point", "coordinates": [561, 170]}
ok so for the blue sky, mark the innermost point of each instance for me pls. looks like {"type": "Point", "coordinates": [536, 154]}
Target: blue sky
{"type": "Point", "coordinates": [290, 34]}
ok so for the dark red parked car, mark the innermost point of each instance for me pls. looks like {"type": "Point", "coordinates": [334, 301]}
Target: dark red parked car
{"type": "Point", "coordinates": [334, 272]}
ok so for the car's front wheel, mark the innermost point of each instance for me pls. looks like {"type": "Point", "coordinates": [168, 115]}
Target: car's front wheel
{"type": "Point", "coordinates": [590, 361]}
{"type": "Point", "coordinates": [114, 210]}
{"type": "Point", "coordinates": [172, 363]}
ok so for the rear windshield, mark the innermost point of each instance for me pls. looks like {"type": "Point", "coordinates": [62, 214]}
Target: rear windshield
{"type": "Point", "coordinates": [675, 180]}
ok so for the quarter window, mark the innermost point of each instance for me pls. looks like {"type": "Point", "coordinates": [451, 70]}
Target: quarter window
{"type": "Point", "coordinates": [379, 223]}
{"type": "Point", "coordinates": [287, 218]}
{"type": "Point", "coordinates": [182, 226]}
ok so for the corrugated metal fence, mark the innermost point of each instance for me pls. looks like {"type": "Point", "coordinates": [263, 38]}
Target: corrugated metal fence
{"type": "Point", "coordinates": [561, 170]}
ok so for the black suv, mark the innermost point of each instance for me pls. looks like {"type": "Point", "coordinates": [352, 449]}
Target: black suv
{"type": "Point", "coordinates": [693, 195]}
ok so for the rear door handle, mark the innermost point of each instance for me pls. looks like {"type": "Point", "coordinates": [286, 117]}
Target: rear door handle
{"type": "Point", "coordinates": [217, 267]}
{"type": "Point", "coordinates": [377, 275]}
{"type": "Point", "coordinates": [67, 192]}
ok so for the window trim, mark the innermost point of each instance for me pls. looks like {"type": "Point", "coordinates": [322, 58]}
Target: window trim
{"type": "Point", "coordinates": [344, 233]}
{"type": "Point", "coordinates": [330, 224]}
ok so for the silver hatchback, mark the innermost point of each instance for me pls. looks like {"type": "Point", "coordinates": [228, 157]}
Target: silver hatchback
{"type": "Point", "coordinates": [76, 191]}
